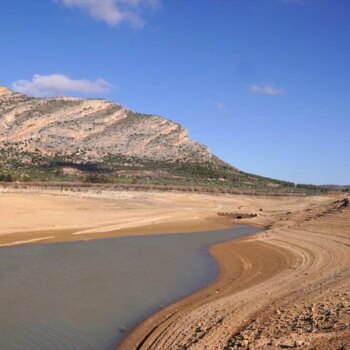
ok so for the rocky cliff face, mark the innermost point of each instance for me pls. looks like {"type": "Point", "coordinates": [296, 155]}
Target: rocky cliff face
{"type": "Point", "coordinates": [91, 129]}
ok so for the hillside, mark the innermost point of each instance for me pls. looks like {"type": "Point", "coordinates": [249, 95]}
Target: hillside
{"type": "Point", "coordinates": [94, 140]}
{"type": "Point", "coordinates": [90, 129]}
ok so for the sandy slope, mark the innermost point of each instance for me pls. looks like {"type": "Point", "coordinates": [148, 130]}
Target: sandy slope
{"type": "Point", "coordinates": [288, 287]}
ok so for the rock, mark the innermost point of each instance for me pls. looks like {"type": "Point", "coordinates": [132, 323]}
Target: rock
{"type": "Point", "coordinates": [327, 326]}
{"type": "Point", "coordinates": [287, 344]}
{"type": "Point", "coordinates": [245, 342]}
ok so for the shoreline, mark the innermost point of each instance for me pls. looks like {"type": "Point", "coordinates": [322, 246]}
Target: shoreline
{"type": "Point", "coordinates": [255, 273]}
{"type": "Point", "coordinates": [205, 224]}
{"type": "Point", "coordinates": [44, 217]}
{"type": "Point", "coordinates": [229, 268]}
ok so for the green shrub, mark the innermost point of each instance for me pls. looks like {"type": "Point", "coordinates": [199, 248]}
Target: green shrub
{"type": "Point", "coordinates": [6, 177]}
{"type": "Point", "coordinates": [96, 178]}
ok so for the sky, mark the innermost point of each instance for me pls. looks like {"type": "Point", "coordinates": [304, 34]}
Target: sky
{"type": "Point", "coordinates": [265, 84]}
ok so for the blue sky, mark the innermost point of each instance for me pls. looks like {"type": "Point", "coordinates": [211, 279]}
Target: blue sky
{"type": "Point", "coordinates": [264, 83]}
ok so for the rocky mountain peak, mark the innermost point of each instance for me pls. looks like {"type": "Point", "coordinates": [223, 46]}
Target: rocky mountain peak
{"type": "Point", "coordinates": [91, 129]}
{"type": "Point", "coordinates": [4, 90]}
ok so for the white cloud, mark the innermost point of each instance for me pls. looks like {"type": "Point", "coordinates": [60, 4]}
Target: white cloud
{"type": "Point", "coordinates": [267, 90]}
{"type": "Point", "coordinates": [114, 12]}
{"type": "Point", "coordinates": [59, 85]}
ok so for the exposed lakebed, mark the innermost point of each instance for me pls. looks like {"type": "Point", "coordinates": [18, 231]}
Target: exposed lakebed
{"type": "Point", "coordinates": [80, 295]}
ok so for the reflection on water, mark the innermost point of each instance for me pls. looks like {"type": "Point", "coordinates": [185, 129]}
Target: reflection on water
{"type": "Point", "coordinates": [79, 295]}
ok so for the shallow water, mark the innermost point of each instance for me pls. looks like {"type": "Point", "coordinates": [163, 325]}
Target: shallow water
{"type": "Point", "coordinates": [78, 295]}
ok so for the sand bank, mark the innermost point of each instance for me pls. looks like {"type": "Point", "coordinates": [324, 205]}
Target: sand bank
{"type": "Point", "coordinates": [287, 287]}
{"type": "Point", "coordinates": [54, 217]}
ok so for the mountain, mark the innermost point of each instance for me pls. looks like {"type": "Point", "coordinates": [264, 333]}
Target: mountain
{"type": "Point", "coordinates": [91, 129]}
{"type": "Point", "coordinates": [97, 141]}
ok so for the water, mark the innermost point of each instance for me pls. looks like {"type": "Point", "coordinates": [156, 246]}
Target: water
{"type": "Point", "coordinates": [78, 295]}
